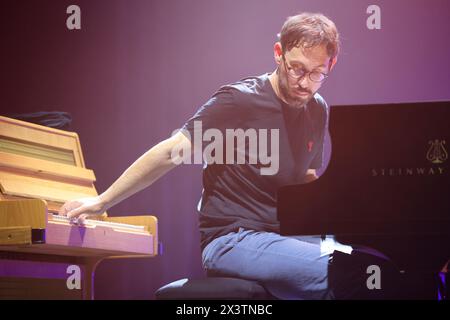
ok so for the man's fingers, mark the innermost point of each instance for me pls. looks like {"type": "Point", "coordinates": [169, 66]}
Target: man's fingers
{"type": "Point", "coordinates": [62, 211]}
{"type": "Point", "coordinates": [82, 218]}
{"type": "Point", "coordinates": [68, 207]}
{"type": "Point", "coordinates": [75, 212]}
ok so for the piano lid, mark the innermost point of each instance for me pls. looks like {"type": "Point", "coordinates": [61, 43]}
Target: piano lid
{"type": "Point", "coordinates": [43, 163]}
{"type": "Point", "coordinates": [388, 174]}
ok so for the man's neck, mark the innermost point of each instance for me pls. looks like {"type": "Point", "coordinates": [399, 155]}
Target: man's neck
{"type": "Point", "coordinates": [273, 78]}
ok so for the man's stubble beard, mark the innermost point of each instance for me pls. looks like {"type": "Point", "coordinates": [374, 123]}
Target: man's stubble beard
{"type": "Point", "coordinates": [283, 86]}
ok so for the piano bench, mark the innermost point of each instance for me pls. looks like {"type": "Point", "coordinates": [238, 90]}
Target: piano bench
{"type": "Point", "coordinates": [212, 288]}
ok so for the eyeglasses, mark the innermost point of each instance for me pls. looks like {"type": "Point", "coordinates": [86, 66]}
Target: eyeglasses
{"type": "Point", "coordinates": [298, 73]}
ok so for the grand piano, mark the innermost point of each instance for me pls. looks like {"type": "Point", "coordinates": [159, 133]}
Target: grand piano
{"type": "Point", "coordinates": [44, 255]}
{"type": "Point", "coordinates": [386, 186]}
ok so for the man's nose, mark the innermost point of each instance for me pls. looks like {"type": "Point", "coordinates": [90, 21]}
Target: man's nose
{"type": "Point", "coordinates": [303, 81]}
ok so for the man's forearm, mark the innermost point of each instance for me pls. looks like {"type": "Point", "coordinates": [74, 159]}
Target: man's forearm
{"type": "Point", "coordinates": [143, 172]}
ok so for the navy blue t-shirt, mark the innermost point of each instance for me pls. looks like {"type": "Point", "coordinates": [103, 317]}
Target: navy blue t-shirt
{"type": "Point", "coordinates": [238, 195]}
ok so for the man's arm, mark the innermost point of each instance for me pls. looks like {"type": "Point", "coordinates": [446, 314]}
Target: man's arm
{"type": "Point", "coordinates": [142, 173]}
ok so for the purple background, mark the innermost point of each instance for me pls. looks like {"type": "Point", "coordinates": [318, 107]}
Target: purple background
{"type": "Point", "coordinates": [138, 69]}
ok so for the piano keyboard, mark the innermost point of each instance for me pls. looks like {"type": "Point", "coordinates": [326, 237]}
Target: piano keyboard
{"type": "Point", "coordinates": [89, 222]}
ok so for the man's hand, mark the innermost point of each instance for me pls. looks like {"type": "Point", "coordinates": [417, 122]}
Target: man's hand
{"type": "Point", "coordinates": [311, 175]}
{"type": "Point", "coordinates": [81, 209]}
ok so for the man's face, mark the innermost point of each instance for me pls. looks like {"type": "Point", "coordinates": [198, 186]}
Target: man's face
{"type": "Point", "coordinates": [297, 92]}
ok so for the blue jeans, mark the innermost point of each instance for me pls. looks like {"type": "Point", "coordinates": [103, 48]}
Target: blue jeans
{"type": "Point", "coordinates": [294, 267]}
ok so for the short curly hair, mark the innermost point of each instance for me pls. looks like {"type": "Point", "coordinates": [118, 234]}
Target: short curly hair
{"type": "Point", "coordinates": [310, 30]}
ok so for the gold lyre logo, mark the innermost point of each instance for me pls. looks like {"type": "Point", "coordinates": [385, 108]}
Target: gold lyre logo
{"type": "Point", "coordinates": [437, 153]}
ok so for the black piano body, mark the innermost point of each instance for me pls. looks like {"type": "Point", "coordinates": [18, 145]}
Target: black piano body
{"type": "Point", "coordinates": [386, 186]}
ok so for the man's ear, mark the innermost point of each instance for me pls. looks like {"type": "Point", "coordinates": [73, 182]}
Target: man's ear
{"type": "Point", "coordinates": [277, 52]}
{"type": "Point", "coordinates": [332, 63]}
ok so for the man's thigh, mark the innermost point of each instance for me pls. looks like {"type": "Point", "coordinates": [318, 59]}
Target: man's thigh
{"type": "Point", "coordinates": [287, 267]}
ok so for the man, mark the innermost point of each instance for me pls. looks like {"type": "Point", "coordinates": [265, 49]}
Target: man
{"type": "Point", "coordinates": [238, 225]}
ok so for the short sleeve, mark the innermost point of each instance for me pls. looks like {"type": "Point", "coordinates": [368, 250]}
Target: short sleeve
{"type": "Point", "coordinates": [219, 112]}
{"type": "Point", "coordinates": [317, 161]}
